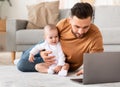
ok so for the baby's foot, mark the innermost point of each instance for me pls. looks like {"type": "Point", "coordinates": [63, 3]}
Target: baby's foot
{"type": "Point", "coordinates": [50, 71]}
{"type": "Point", "coordinates": [63, 73]}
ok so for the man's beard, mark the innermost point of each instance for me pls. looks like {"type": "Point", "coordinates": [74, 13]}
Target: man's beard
{"type": "Point", "coordinates": [80, 35]}
{"type": "Point", "coordinates": [77, 35]}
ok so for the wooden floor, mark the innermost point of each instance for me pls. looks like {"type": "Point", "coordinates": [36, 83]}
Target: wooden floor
{"type": "Point", "coordinates": [5, 58]}
{"type": "Point", "coordinates": [2, 41]}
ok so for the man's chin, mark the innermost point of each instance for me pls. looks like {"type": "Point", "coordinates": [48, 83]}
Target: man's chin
{"type": "Point", "coordinates": [80, 36]}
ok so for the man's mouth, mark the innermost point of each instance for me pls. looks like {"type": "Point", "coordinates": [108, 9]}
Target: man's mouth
{"type": "Point", "coordinates": [80, 35]}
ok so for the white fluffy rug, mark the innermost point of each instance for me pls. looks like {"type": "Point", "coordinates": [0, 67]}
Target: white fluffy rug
{"type": "Point", "coordinates": [11, 77]}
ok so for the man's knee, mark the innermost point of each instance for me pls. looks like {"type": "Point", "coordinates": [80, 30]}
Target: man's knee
{"type": "Point", "coordinates": [21, 66]}
{"type": "Point", "coordinates": [26, 66]}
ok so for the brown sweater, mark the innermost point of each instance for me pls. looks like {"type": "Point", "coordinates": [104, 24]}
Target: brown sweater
{"type": "Point", "coordinates": [74, 48]}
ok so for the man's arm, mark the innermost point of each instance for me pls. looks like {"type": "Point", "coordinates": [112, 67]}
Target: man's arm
{"type": "Point", "coordinates": [96, 44]}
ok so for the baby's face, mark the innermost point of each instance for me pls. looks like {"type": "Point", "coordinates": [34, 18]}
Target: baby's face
{"type": "Point", "coordinates": [52, 37]}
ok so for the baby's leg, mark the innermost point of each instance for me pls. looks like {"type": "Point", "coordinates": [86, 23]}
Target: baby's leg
{"type": "Point", "coordinates": [64, 70]}
{"type": "Point", "coordinates": [42, 67]}
{"type": "Point", "coordinates": [51, 69]}
{"type": "Point", "coordinates": [66, 66]}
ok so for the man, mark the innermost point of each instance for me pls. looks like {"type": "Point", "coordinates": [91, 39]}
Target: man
{"type": "Point", "coordinates": [77, 36]}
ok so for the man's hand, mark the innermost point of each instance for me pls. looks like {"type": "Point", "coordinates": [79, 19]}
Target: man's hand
{"type": "Point", "coordinates": [49, 60]}
{"type": "Point", "coordinates": [80, 72]}
{"type": "Point", "coordinates": [31, 58]}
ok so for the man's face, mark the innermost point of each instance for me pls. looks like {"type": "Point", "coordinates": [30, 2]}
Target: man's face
{"type": "Point", "coordinates": [80, 26]}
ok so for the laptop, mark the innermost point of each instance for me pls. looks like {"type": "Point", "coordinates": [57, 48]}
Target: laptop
{"type": "Point", "coordinates": [101, 68]}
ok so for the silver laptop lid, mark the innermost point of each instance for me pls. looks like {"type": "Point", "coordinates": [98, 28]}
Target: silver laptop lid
{"type": "Point", "coordinates": [101, 67]}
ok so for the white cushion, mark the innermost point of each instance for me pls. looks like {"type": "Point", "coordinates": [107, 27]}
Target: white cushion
{"type": "Point", "coordinates": [29, 36]}
{"type": "Point", "coordinates": [111, 35]}
{"type": "Point", "coordinates": [107, 16]}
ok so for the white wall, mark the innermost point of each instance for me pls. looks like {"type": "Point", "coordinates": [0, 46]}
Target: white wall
{"type": "Point", "coordinates": [19, 9]}
{"type": "Point", "coordinates": [68, 3]}
{"type": "Point", "coordinates": [104, 2]}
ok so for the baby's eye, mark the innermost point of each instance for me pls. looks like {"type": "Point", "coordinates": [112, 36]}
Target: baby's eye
{"type": "Point", "coordinates": [56, 36]}
{"type": "Point", "coordinates": [50, 37]}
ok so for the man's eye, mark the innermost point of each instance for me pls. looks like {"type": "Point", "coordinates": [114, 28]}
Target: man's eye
{"type": "Point", "coordinates": [85, 27]}
{"type": "Point", "coordinates": [77, 26]}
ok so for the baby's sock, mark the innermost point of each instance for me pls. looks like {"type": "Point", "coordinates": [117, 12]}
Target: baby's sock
{"type": "Point", "coordinates": [63, 72]}
{"type": "Point", "coordinates": [50, 71]}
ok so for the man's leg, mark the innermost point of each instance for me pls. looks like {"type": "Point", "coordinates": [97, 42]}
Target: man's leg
{"type": "Point", "coordinates": [26, 66]}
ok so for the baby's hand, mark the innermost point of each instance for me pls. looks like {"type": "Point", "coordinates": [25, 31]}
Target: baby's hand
{"type": "Point", "coordinates": [31, 58]}
{"type": "Point", "coordinates": [57, 69]}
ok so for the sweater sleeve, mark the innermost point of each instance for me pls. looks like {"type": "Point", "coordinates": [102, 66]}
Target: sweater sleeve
{"type": "Point", "coordinates": [62, 24]}
{"type": "Point", "coordinates": [97, 44]}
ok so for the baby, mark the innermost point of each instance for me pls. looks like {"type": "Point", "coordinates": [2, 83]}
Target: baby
{"type": "Point", "coordinates": [51, 43]}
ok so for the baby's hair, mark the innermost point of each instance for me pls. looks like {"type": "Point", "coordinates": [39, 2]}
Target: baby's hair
{"type": "Point", "coordinates": [50, 27]}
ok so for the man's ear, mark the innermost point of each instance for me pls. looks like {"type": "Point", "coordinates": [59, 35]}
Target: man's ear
{"type": "Point", "coordinates": [70, 18]}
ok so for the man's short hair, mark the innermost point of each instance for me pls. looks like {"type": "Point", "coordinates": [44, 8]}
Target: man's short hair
{"type": "Point", "coordinates": [82, 10]}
